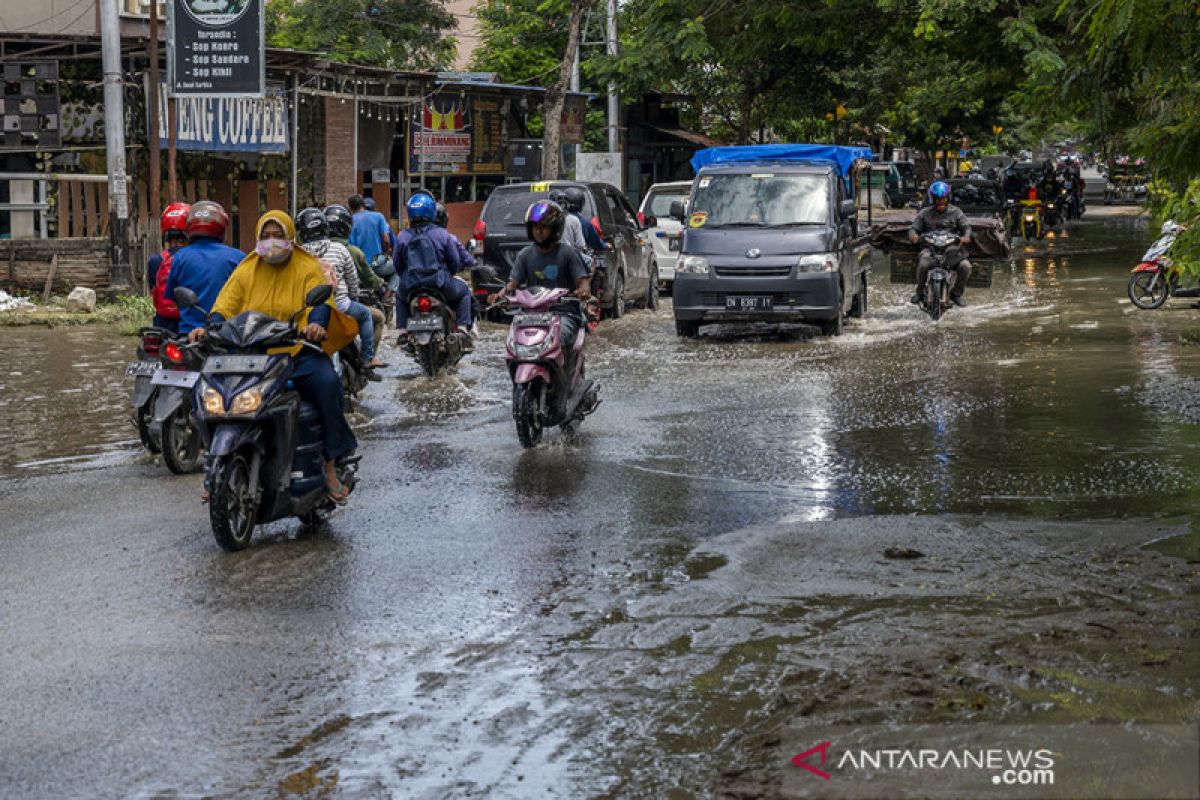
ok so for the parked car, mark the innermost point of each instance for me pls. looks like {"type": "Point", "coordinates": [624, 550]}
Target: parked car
{"type": "Point", "coordinates": [772, 235]}
{"type": "Point", "coordinates": [663, 233]}
{"type": "Point", "coordinates": [895, 181]}
{"type": "Point", "coordinates": [500, 235]}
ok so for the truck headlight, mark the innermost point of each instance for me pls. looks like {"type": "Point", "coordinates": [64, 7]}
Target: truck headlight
{"type": "Point", "coordinates": [695, 265]}
{"type": "Point", "coordinates": [818, 262]}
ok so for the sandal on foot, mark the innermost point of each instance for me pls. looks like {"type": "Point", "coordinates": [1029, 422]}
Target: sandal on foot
{"type": "Point", "coordinates": [338, 493]}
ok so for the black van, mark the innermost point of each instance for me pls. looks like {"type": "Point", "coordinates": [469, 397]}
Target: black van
{"type": "Point", "coordinates": [771, 240]}
{"type": "Point", "coordinates": [500, 235]}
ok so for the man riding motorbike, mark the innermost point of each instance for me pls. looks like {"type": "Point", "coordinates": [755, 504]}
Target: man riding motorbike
{"type": "Point", "coordinates": [339, 223]}
{"type": "Point", "coordinates": [274, 281]}
{"type": "Point", "coordinates": [428, 256]}
{"type": "Point", "coordinates": [205, 264]}
{"type": "Point", "coordinates": [173, 225]}
{"type": "Point", "coordinates": [550, 262]}
{"type": "Point", "coordinates": [312, 233]}
{"type": "Point", "coordinates": [940, 215]}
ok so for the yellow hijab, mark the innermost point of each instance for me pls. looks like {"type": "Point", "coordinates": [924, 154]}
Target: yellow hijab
{"type": "Point", "coordinates": [279, 290]}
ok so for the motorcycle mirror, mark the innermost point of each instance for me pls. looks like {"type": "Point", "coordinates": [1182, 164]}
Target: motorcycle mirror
{"type": "Point", "coordinates": [848, 209]}
{"type": "Point", "coordinates": [186, 298]}
{"type": "Point", "coordinates": [318, 295]}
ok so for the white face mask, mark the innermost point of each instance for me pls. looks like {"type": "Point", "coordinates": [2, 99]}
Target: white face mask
{"type": "Point", "coordinates": [274, 251]}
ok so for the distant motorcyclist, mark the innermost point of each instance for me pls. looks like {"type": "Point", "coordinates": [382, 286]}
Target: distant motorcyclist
{"type": "Point", "coordinates": [573, 198]}
{"type": "Point", "coordinates": [428, 257]}
{"type": "Point", "coordinates": [173, 225]}
{"type": "Point", "coordinates": [274, 280]}
{"type": "Point", "coordinates": [937, 216]}
{"type": "Point", "coordinates": [312, 233]}
{"type": "Point", "coordinates": [548, 261]}
{"type": "Point", "coordinates": [339, 221]}
{"type": "Point", "coordinates": [573, 228]}
{"type": "Point", "coordinates": [204, 266]}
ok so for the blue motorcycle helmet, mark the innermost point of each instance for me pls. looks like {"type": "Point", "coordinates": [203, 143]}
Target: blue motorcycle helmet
{"type": "Point", "coordinates": [421, 208]}
{"type": "Point", "coordinates": [939, 193]}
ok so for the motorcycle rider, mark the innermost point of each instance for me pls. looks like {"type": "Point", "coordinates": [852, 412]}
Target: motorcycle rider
{"type": "Point", "coordinates": [339, 222]}
{"type": "Point", "coordinates": [173, 225]}
{"type": "Point", "coordinates": [940, 215]}
{"type": "Point", "coordinates": [428, 256]}
{"type": "Point", "coordinates": [274, 280]}
{"type": "Point", "coordinates": [369, 231]}
{"type": "Point", "coordinates": [313, 235]}
{"type": "Point", "coordinates": [573, 204]}
{"type": "Point", "coordinates": [550, 262]}
{"type": "Point", "coordinates": [205, 264]}
{"type": "Point", "coordinates": [442, 220]}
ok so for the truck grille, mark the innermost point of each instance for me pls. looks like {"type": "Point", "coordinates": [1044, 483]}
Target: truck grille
{"type": "Point", "coordinates": [753, 272]}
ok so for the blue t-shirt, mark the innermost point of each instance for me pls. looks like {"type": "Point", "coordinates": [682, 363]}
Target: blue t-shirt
{"type": "Point", "coordinates": [368, 230]}
{"type": "Point", "coordinates": [203, 266]}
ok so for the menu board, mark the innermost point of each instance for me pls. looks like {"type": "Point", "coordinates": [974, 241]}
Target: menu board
{"type": "Point", "coordinates": [487, 144]}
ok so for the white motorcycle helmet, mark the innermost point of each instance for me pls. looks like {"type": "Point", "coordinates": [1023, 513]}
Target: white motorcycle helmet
{"type": "Point", "coordinates": [1170, 228]}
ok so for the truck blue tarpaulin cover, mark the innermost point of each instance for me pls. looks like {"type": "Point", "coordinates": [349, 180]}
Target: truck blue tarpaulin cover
{"type": "Point", "coordinates": [842, 156]}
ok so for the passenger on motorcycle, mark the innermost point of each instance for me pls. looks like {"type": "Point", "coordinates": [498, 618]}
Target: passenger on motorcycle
{"type": "Point", "coordinates": [573, 197]}
{"type": "Point", "coordinates": [550, 262]}
{"type": "Point", "coordinates": [427, 256]}
{"type": "Point", "coordinates": [573, 229]}
{"type": "Point", "coordinates": [339, 222]}
{"type": "Point", "coordinates": [173, 226]}
{"type": "Point", "coordinates": [940, 215]}
{"type": "Point", "coordinates": [274, 280]}
{"type": "Point", "coordinates": [312, 233]}
{"type": "Point", "coordinates": [205, 264]}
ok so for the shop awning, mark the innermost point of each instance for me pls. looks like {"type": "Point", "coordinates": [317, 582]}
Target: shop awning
{"type": "Point", "coordinates": [688, 136]}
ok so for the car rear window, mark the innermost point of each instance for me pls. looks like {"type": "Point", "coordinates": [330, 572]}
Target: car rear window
{"type": "Point", "coordinates": [508, 206]}
{"type": "Point", "coordinates": [658, 204]}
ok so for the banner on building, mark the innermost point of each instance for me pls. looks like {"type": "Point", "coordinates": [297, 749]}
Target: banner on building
{"type": "Point", "coordinates": [441, 136]}
{"type": "Point", "coordinates": [487, 136]}
{"type": "Point", "coordinates": [228, 124]}
{"type": "Point", "coordinates": [573, 116]}
{"type": "Point", "coordinates": [215, 47]}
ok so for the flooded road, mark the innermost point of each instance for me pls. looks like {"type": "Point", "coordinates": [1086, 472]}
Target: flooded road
{"type": "Point", "coordinates": [757, 532]}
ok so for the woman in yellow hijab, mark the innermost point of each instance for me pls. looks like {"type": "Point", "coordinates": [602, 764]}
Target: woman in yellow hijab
{"type": "Point", "coordinates": [274, 280]}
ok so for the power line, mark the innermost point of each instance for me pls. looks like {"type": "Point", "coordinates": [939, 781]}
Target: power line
{"type": "Point", "coordinates": [52, 16]}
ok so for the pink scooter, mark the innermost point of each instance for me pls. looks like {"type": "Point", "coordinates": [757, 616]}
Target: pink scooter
{"type": "Point", "coordinates": [544, 394]}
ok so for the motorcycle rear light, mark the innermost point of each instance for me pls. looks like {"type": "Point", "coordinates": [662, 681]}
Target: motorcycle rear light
{"type": "Point", "coordinates": [480, 229]}
{"type": "Point", "coordinates": [151, 344]}
{"type": "Point", "coordinates": [173, 353]}
{"type": "Point", "coordinates": [424, 305]}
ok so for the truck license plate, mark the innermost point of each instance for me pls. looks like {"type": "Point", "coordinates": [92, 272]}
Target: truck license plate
{"type": "Point", "coordinates": [738, 303]}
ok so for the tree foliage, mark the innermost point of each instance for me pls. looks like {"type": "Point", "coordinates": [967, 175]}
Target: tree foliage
{"type": "Point", "coordinates": [402, 34]}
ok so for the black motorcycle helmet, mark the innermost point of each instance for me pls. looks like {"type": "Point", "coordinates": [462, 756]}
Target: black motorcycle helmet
{"type": "Point", "coordinates": [573, 199]}
{"type": "Point", "coordinates": [310, 226]}
{"type": "Point", "coordinates": [339, 221]}
{"type": "Point", "coordinates": [440, 217]}
{"type": "Point", "coordinates": [559, 196]}
{"type": "Point", "coordinates": [550, 214]}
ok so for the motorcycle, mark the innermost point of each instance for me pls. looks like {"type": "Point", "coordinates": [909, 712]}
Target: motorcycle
{"type": "Point", "coordinates": [1031, 219]}
{"type": "Point", "coordinates": [433, 333]}
{"type": "Point", "coordinates": [264, 458]}
{"type": "Point", "coordinates": [162, 399]}
{"type": "Point", "coordinates": [349, 368]}
{"type": "Point", "coordinates": [939, 283]}
{"type": "Point", "coordinates": [1156, 278]}
{"type": "Point", "coordinates": [549, 383]}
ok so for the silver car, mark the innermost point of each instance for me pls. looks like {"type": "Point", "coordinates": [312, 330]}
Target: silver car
{"type": "Point", "coordinates": [663, 233]}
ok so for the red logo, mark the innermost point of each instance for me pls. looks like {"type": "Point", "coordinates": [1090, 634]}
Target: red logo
{"type": "Point", "coordinates": [800, 761]}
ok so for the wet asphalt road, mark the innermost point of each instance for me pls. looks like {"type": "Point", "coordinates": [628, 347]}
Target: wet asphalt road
{"type": "Point", "coordinates": [628, 610]}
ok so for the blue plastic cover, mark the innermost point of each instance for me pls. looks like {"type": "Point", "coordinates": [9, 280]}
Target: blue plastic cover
{"type": "Point", "coordinates": [842, 156]}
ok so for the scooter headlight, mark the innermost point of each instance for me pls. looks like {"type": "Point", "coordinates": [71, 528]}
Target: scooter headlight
{"type": "Point", "coordinates": [212, 401]}
{"type": "Point", "coordinates": [247, 402]}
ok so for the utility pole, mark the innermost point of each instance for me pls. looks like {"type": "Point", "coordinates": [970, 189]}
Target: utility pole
{"type": "Point", "coordinates": [114, 139]}
{"type": "Point", "coordinates": [614, 111]}
{"type": "Point", "coordinates": [155, 165]}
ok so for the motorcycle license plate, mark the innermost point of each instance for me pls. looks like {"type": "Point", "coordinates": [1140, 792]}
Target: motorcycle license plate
{"type": "Point", "coordinates": [673, 243]}
{"type": "Point", "coordinates": [141, 368]}
{"type": "Point", "coordinates": [425, 324]}
{"type": "Point", "coordinates": [532, 320]}
{"type": "Point", "coordinates": [181, 379]}
{"type": "Point", "coordinates": [749, 303]}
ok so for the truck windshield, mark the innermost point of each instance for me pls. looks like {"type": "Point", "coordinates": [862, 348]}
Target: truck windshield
{"type": "Point", "coordinates": [762, 200]}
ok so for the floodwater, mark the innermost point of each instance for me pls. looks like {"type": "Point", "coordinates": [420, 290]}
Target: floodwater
{"type": "Point", "coordinates": [757, 536]}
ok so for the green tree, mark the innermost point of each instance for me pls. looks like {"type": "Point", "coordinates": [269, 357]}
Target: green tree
{"type": "Point", "coordinates": [402, 34]}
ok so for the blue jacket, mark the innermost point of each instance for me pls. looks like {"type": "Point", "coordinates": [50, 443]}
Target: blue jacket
{"type": "Point", "coordinates": [589, 234]}
{"type": "Point", "coordinates": [447, 247]}
{"type": "Point", "coordinates": [203, 266]}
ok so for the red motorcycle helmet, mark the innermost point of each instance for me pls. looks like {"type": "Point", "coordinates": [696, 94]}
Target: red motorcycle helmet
{"type": "Point", "coordinates": [207, 218]}
{"type": "Point", "coordinates": [174, 219]}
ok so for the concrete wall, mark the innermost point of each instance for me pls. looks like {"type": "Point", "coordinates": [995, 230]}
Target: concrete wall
{"type": "Point", "coordinates": [50, 16]}
{"type": "Point", "coordinates": [81, 262]}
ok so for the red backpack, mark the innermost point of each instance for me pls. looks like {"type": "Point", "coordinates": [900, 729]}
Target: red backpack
{"type": "Point", "coordinates": [164, 307]}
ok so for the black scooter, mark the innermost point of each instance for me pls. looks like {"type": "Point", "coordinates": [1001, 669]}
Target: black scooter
{"type": "Point", "coordinates": [939, 283]}
{"type": "Point", "coordinates": [264, 459]}
{"type": "Point", "coordinates": [436, 341]}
